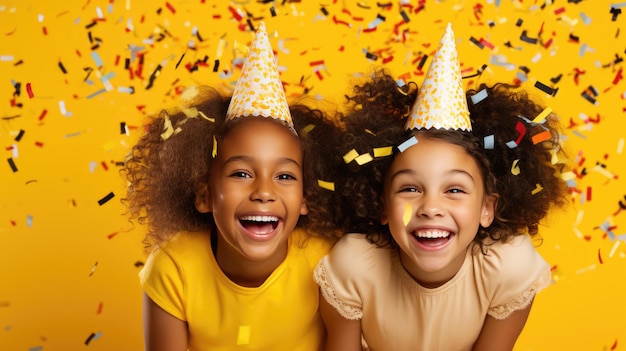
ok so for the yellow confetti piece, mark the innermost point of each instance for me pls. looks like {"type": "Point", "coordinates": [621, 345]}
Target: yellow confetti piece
{"type": "Point", "coordinates": [603, 171]}
{"type": "Point", "coordinates": [363, 159]}
{"type": "Point", "coordinates": [569, 175]}
{"type": "Point", "coordinates": [307, 129]}
{"type": "Point", "coordinates": [408, 212]}
{"type": "Point", "coordinates": [351, 155]}
{"type": "Point", "coordinates": [614, 249]}
{"type": "Point", "coordinates": [383, 151]}
{"type": "Point", "coordinates": [579, 217]}
{"type": "Point", "coordinates": [620, 146]}
{"type": "Point", "coordinates": [214, 152]}
{"type": "Point", "coordinates": [369, 132]}
{"type": "Point", "coordinates": [243, 337]}
{"type": "Point", "coordinates": [577, 232]}
{"type": "Point", "coordinates": [326, 185]}
{"type": "Point", "coordinates": [110, 145]}
{"type": "Point", "coordinates": [212, 120]}
{"type": "Point", "coordinates": [515, 168]}
{"type": "Point", "coordinates": [537, 189]}
{"type": "Point", "coordinates": [540, 117]}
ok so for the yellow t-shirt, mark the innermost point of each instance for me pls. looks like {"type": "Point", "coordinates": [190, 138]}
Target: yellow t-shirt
{"type": "Point", "coordinates": [184, 279]}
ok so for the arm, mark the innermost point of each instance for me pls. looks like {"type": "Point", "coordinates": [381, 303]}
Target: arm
{"type": "Point", "coordinates": [499, 335]}
{"type": "Point", "coordinates": [342, 334]}
{"type": "Point", "coordinates": [162, 331]}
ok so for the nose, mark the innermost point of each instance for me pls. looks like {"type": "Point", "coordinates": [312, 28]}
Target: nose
{"type": "Point", "coordinates": [430, 206]}
{"type": "Point", "coordinates": [263, 190]}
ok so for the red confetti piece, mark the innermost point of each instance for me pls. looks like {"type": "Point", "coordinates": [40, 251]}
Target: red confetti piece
{"type": "Point", "coordinates": [100, 305]}
{"type": "Point", "coordinates": [235, 13]}
{"type": "Point", "coordinates": [38, 144]}
{"type": "Point", "coordinates": [45, 31]}
{"type": "Point", "coordinates": [543, 136]}
{"type": "Point", "coordinates": [548, 43]}
{"type": "Point", "coordinates": [600, 257]}
{"type": "Point", "coordinates": [618, 76]}
{"type": "Point", "coordinates": [387, 59]}
{"type": "Point", "coordinates": [486, 43]}
{"type": "Point", "coordinates": [29, 90]}
{"type": "Point", "coordinates": [110, 236]}
{"type": "Point", "coordinates": [589, 193]}
{"type": "Point", "coordinates": [338, 21]}
{"type": "Point", "coordinates": [319, 75]}
{"type": "Point", "coordinates": [104, 165]}
{"type": "Point", "coordinates": [614, 345]}
{"type": "Point", "coordinates": [553, 268]}
{"type": "Point", "coordinates": [316, 63]}
{"type": "Point", "coordinates": [559, 11]}
{"type": "Point", "coordinates": [170, 7]}
{"type": "Point", "coordinates": [13, 223]}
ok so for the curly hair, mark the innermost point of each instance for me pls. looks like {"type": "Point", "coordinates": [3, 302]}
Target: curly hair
{"type": "Point", "coordinates": [165, 172]}
{"type": "Point", "coordinates": [376, 119]}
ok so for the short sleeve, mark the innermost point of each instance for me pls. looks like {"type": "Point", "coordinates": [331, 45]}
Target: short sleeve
{"type": "Point", "coordinates": [162, 281]}
{"type": "Point", "coordinates": [515, 273]}
{"type": "Point", "coordinates": [344, 274]}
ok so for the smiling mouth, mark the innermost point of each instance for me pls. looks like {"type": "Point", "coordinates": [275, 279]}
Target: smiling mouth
{"type": "Point", "coordinates": [433, 237]}
{"type": "Point", "coordinates": [259, 224]}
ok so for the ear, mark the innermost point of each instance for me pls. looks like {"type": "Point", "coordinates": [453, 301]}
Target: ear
{"type": "Point", "coordinates": [384, 218]}
{"type": "Point", "coordinates": [203, 200]}
{"type": "Point", "coordinates": [488, 212]}
{"type": "Point", "coordinates": [304, 209]}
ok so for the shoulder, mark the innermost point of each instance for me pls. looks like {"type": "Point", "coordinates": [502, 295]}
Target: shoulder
{"type": "Point", "coordinates": [307, 246]}
{"type": "Point", "coordinates": [512, 272]}
{"type": "Point", "coordinates": [181, 249]}
{"type": "Point", "coordinates": [353, 255]}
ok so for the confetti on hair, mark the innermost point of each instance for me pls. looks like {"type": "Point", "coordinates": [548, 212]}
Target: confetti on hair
{"type": "Point", "coordinates": [350, 156]}
{"type": "Point", "coordinates": [515, 170]}
{"type": "Point", "coordinates": [307, 129]}
{"type": "Point", "coordinates": [383, 151]}
{"type": "Point", "coordinates": [480, 96]}
{"type": "Point", "coordinates": [537, 189]}
{"type": "Point", "coordinates": [363, 159]}
{"type": "Point", "coordinates": [542, 116]}
{"type": "Point", "coordinates": [408, 143]}
{"type": "Point", "coordinates": [521, 130]}
{"type": "Point", "coordinates": [93, 268]}
{"type": "Point", "coordinates": [326, 185]}
{"type": "Point", "coordinates": [541, 137]}
{"type": "Point", "coordinates": [489, 142]}
{"type": "Point", "coordinates": [106, 198]}
{"type": "Point", "coordinates": [408, 213]}
{"type": "Point", "coordinates": [214, 151]}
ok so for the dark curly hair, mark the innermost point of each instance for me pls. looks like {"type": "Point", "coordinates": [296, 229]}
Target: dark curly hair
{"type": "Point", "coordinates": [165, 173]}
{"type": "Point", "coordinates": [375, 118]}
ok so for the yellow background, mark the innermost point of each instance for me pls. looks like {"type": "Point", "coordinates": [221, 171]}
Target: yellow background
{"type": "Point", "coordinates": [68, 266]}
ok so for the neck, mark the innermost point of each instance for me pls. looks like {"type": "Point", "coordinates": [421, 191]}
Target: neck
{"type": "Point", "coordinates": [245, 272]}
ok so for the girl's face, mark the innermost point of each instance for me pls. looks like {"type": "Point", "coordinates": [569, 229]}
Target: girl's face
{"type": "Point", "coordinates": [434, 203]}
{"type": "Point", "coordinates": [256, 191]}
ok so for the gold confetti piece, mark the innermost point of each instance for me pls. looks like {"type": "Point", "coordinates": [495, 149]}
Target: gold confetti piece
{"type": "Point", "coordinates": [212, 120]}
{"type": "Point", "coordinates": [515, 168]}
{"type": "Point", "coordinates": [382, 151]}
{"type": "Point", "coordinates": [579, 217]}
{"type": "Point", "coordinates": [542, 116]}
{"type": "Point", "coordinates": [586, 269]}
{"type": "Point", "coordinates": [620, 146]}
{"type": "Point", "coordinates": [603, 171]}
{"type": "Point", "coordinates": [578, 233]}
{"type": "Point", "coordinates": [307, 129]}
{"type": "Point", "coordinates": [363, 159]}
{"type": "Point", "coordinates": [214, 152]}
{"type": "Point", "coordinates": [326, 185]}
{"type": "Point", "coordinates": [569, 175]}
{"type": "Point", "coordinates": [369, 132]}
{"type": "Point", "coordinates": [537, 189]}
{"type": "Point", "coordinates": [408, 212]}
{"type": "Point", "coordinates": [110, 145]}
{"type": "Point", "coordinates": [243, 337]}
{"type": "Point", "coordinates": [351, 155]}
{"type": "Point", "coordinates": [93, 269]}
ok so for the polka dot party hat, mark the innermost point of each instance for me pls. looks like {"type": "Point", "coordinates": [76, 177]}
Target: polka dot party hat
{"type": "Point", "coordinates": [441, 102]}
{"type": "Point", "coordinates": [259, 91]}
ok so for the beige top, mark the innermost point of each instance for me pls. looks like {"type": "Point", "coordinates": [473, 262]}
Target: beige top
{"type": "Point", "coordinates": [363, 281]}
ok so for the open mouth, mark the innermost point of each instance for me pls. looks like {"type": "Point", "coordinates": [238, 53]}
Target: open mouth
{"type": "Point", "coordinates": [433, 238]}
{"type": "Point", "coordinates": [259, 224]}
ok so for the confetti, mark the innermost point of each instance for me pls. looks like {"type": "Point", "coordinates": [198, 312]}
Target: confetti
{"type": "Point", "coordinates": [363, 159]}
{"type": "Point", "coordinates": [489, 142]}
{"type": "Point", "coordinates": [383, 151]}
{"type": "Point", "coordinates": [478, 97]}
{"type": "Point", "coordinates": [93, 268]}
{"type": "Point", "coordinates": [537, 189]}
{"type": "Point", "coordinates": [408, 143]}
{"type": "Point", "coordinates": [408, 213]}
{"type": "Point", "coordinates": [106, 198]}
{"type": "Point", "coordinates": [350, 156]}
{"type": "Point", "coordinates": [243, 336]}
{"type": "Point", "coordinates": [29, 90]}
{"type": "Point", "coordinates": [12, 164]}
{"type": "Point", "coordinates": [515, 170]}
{"type": "Point", "coordinates": [326, 185]}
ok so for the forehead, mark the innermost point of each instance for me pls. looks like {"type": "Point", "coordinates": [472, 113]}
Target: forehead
{"type": "Point", "coordinates": [432, 152]}
{"type": "Point", "coordinates": [251, 135]}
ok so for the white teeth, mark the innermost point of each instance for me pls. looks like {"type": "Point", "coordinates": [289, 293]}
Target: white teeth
{"type": "Point", "coordinates": [259, 218]}
{"type": "Point", "coordinates": [431, 234]}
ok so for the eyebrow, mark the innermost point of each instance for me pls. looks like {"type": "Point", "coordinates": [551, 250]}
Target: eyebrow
{"type": "Point", "coordinates": [411, 172]}
{"type": "Point", "coordinates": [248, 159]}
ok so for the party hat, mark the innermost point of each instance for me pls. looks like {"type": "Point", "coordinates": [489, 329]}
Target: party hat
{"type": "Point", "coordinates": [441, 102]}
{"type": "Point", "coordinates": [259, 91]}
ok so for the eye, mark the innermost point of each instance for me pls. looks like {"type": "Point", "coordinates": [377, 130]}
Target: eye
{"type": "Point", "coordinates": [456, 190]}
{"type": "Point", "coordinates": [408, 189]}
{"type": "Point", "coordinates": [286, 176]}
{"type": "Point", "coordinates": [240, 174]}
